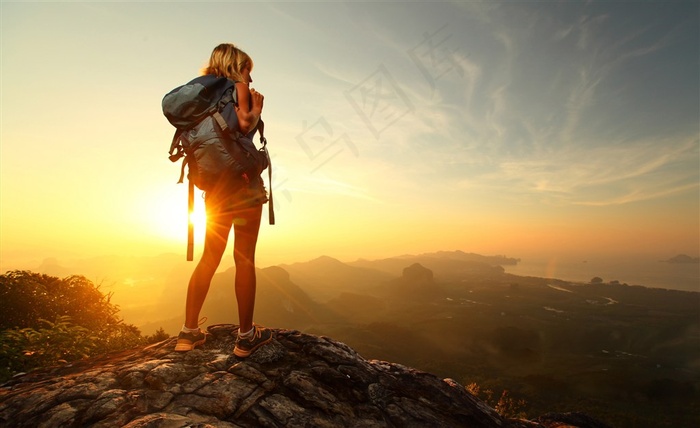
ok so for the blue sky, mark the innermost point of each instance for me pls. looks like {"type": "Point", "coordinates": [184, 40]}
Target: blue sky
{"type": "Point", "coordinates": [492, 127]}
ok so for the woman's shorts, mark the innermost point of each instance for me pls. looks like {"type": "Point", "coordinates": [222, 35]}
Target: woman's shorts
{"type": "Point", "coordinates": [228, 199]}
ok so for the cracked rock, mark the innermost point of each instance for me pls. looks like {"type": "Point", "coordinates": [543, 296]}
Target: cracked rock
{"type": "Point", "coordinates": [298, 380]}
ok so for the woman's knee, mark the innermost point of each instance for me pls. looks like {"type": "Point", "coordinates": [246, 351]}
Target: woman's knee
{"type": "Point", "coordinates": [243, 257]}
{"type": "Point", "coordinates": [207, 265]}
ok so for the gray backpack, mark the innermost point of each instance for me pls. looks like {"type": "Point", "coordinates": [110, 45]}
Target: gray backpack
{"type": "Point", "coordinates": [207, 134]}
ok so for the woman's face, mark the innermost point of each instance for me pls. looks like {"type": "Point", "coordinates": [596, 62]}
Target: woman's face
{"type": "Point", "coordinates": [246, 74]}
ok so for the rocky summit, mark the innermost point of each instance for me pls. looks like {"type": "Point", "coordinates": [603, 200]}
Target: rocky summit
{"type": "Point", "coordinates": [298, 380]}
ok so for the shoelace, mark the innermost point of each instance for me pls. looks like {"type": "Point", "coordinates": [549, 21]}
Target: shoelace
{"type": "Point", "coordinates": [199, 323]}
{"type": "Point", "coordinates": [256, 334]}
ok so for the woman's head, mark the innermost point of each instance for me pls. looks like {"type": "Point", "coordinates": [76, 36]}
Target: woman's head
{"type": "Point", "coordinates": [228, 61]}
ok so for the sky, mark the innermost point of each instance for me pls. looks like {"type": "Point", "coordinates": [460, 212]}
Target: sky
{"type": "Point", "coordinates": [528, 128]}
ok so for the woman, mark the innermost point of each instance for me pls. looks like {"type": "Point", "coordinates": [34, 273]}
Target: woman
{"type": "Point", "coordinates": [236, 203]}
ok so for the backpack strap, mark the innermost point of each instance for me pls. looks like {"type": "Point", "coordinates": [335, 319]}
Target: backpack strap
{"type": "Point", "coordinates": [263, 142]}
{"type": "Point", "coordinates": [190, 223]}
{"type": "Point", "coordinates": [177, 152]}
{"type": "Point", "coordinates": [230, 96]}
{"type": "Point", "coordinates": [220, 120]}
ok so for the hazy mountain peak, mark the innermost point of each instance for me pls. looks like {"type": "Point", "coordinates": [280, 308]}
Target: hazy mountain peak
{"type": "Point", "coordinates": [683, 259]}
{"type": "Point", "coordinates": [326, 260]}
{"type": "Point", "coordinates": [275, 273]}
{"type": "Point", "coordinates": [417, 272]}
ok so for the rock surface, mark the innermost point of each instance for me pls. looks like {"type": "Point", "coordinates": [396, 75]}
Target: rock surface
{"type": "Point", "coordinates": [297, 380]}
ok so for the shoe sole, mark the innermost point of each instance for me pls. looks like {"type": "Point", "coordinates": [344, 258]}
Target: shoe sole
{"type": "Point", "coordinates": [242, 353]}
{"type": "Point", "coordinates": [184, 347]}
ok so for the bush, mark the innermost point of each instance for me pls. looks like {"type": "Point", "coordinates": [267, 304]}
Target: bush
{"type": "Point", "coordinates": [27, 297]}
{"type": "Point", "coordinates": [159, 336]}
{"type": "Point", "coordinates": [23, 349]}
{"type": "Point", "coordinates": [47, 321]}
{"type": "Point", "coordinates": [506, 406]}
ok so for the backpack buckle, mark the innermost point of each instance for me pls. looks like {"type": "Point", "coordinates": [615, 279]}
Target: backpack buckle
{"type": "Point", "coordinates": [175, 157]}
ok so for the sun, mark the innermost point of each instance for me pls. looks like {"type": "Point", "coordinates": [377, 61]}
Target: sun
{"type": "Point", "coordinates": [198, 217]}
{"type": "Point", "coordinates": [166, 215]}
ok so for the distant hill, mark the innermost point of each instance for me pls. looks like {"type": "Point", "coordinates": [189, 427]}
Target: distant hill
{"type": "Point", "coordinates": [357, 308]}
{"type": "Point", "coordinates": [499, 260]}
{"type": "Point", "coordinates": [683, 259]}
{"type": "Point", "coordinates": [325, 278]}
{"type": "Point", "coordinates": [324, 290]}
{"type": "Point", "coordinates": [446, 265]}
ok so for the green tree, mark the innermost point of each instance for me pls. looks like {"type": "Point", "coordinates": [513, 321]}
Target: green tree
{"type": "Point", "coordinates": [47, 320]}
{"type": "Point", "coordinates": [27, 297]}
{"type": "Point", "coordinates": [159, 336]}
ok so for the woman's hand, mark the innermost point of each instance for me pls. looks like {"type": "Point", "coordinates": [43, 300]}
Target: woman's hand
{"type": "Point", "coordinates": [257, 98]}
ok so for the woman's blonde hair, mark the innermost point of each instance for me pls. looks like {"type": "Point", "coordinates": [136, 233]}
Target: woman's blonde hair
{"type": "Point", "coordinates": [228, 61]}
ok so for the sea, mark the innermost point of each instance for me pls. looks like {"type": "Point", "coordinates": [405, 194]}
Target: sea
{"type": "Point", "coordinates": [645, 272]}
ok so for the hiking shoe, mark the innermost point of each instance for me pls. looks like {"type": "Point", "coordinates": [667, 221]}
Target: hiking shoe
{"type": "Point", "coordinates": [188, 341]}
{"type": "Point", "coordinates": [247, 345]}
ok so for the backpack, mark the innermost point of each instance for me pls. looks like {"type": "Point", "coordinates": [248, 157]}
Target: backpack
{"type": "Point", "coordinates": [208, 136]}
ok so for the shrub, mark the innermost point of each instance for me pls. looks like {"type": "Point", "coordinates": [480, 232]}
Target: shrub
{"type": "Point", "coordinates": [159, 336]}
{"type": "Point", "coordinates": [506, 406]}
{"type": "Point", "coordinates": [47, 321]}
{"type": "Point", "coordinates": [23, 349]}
{"type": "Point", "coordinates": [28, 297]}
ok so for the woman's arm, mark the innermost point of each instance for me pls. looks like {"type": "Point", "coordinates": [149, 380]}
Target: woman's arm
{"type": "Point", "coordinates": [250, 105]}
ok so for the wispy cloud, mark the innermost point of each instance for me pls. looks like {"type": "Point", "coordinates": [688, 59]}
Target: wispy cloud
{"type": "Point", "coordinates": [554, 131]}
{"type": "Point", "coordinates": [605, 176]}
{"type": "Point", "coordinates": [637, 195]}
{"type": "Point", "coordinates": [533, 105]}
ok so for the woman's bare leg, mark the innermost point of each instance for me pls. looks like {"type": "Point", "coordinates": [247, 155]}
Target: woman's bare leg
{"type": "Point", "coordinates": [215, 239]}
{"type": "Point", "coordinates": [246, 225]}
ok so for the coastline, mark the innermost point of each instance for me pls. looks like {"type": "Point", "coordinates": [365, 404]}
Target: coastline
{"type": "Point", "coordinates": [647, 273]}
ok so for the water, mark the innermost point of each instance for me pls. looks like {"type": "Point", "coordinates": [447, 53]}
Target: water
{"type": "Point", "coordinates": [646, 272]}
